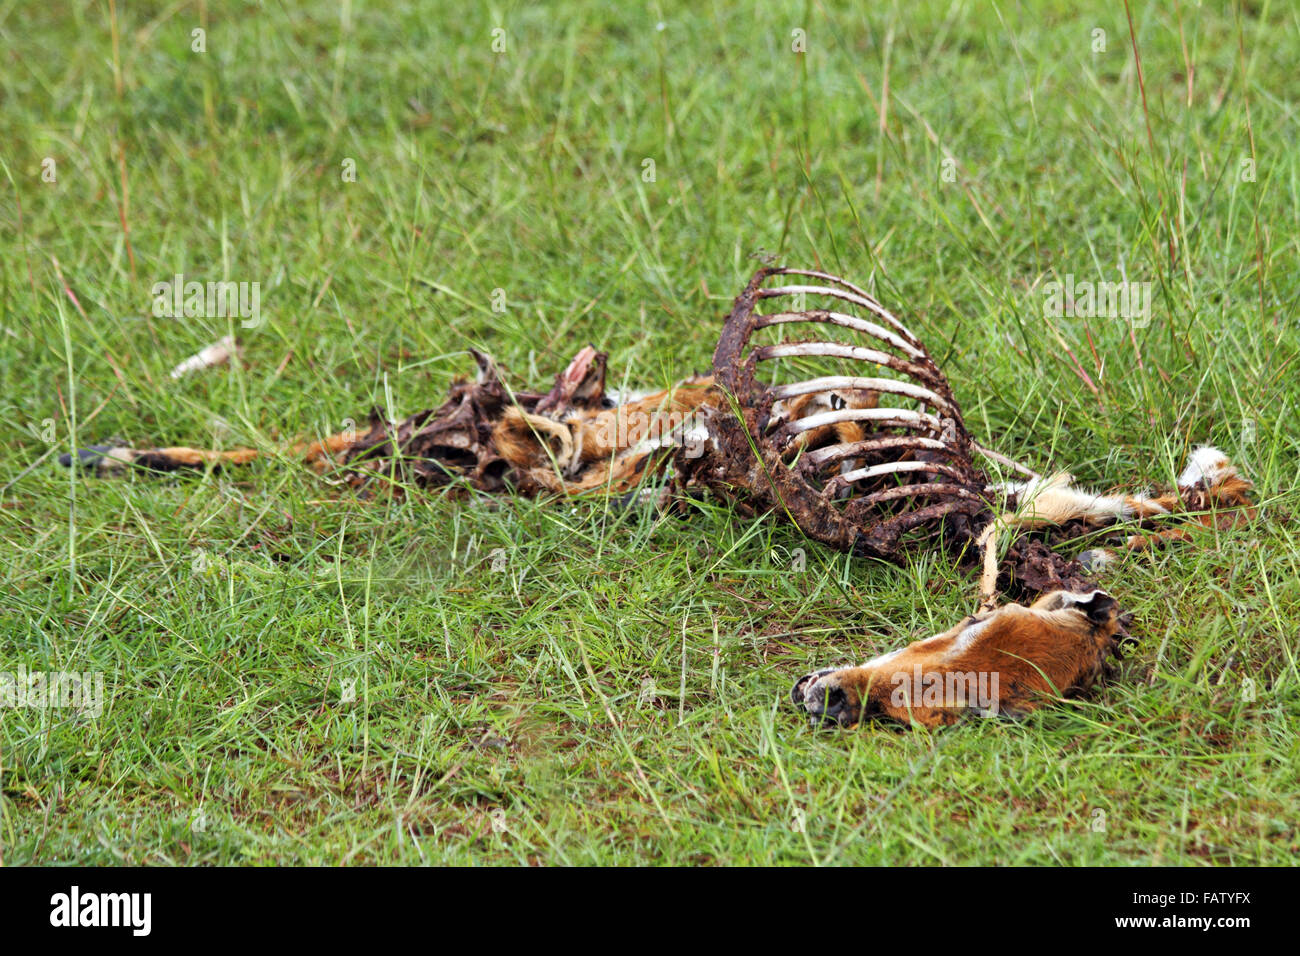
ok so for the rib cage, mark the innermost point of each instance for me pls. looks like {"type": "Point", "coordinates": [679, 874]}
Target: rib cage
{"type": "Point", "coordinates": [908, 468]}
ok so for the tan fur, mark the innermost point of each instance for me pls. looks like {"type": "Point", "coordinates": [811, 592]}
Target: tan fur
{"type": "Point", "coordinates": [589, 450]}
{"type": "Point", "coordinates": [318, 454]}
{"type": "Point", "coordinates": [1056, 647]}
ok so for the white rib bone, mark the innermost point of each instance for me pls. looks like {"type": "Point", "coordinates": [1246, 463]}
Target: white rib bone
{"type": "Point", "coordinates": [827, 277]}
{"type": "Point", "coordinates": [911, 491]}
{"type": "Point", "coordinates": [901, 416]}
{"type": "Point", "coordinates": [894, 467]}
{"type": "Point", "coordinates": [867, 303]}
{"type": "Point", "coordinates": [826, 349]}
{"type": "Point", "coordinates": [845, 321]}
{"type": "Point", "coordinates": [820, 456]}
{"type": "Point", "coordinates": [888, 385]}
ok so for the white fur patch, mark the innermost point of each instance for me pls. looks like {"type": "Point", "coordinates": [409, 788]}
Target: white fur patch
{"type": "Point", "coordinates": [1058, 498]}
{"type": "Point", "coordinates": [1024, 490]}
{"type": "Point", "coordinates": [967, 638]}
{"type": "Point", "coordinates": [1101, 505]}
{"type": "Point", "coordinates": [883, 658]}
{"type": "Point", "coordinates": [115, 459]}
{"type": "Point", "coordinates": [1069, 598]}
{"type": "Point", "coordinates": [1207, 464]}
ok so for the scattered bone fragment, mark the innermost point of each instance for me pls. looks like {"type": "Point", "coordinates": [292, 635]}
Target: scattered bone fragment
{"type": "Point", "coordinates": [218, 353]}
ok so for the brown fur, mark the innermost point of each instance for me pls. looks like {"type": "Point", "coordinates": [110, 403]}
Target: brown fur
{"type": "Point", "coordinates": [1056, 647]}
{"type": "Point", "coordinates": [596, 449]}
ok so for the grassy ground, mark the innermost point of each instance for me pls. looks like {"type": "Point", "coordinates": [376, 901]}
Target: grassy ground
{"type": "Point", "coordinates": [614, 690]}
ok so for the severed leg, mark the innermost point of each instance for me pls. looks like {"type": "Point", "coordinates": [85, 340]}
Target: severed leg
{"type": "Point", "coordinates": [1210, 493]}
{"type": "Point", "coordinates": [107, 460]}
{"type": "Point", "coordinates": [1004, 662]}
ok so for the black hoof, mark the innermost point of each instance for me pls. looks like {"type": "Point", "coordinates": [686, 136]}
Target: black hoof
{"type": "Point", "coordinates": [88, 457]}
{"type": "Point", "coordinates": [801, 685]}
{"type": "Point", "coordinates": [826, 703]}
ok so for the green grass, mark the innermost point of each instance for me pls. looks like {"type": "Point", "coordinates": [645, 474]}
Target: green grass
{"type": "Point", "coordinates": [617, 693]}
